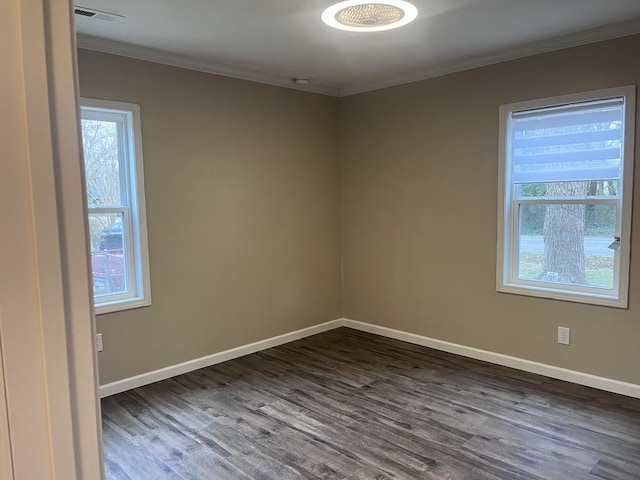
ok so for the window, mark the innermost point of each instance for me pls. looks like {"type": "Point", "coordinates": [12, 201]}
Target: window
{"type": "Point", "coordinates": [565, 179]}
{"type": "Point", "coordinates": [112, 148]}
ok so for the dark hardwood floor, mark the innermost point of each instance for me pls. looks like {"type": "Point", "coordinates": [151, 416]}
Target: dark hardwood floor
{"type": "Point", "coordinates": [350, 405]}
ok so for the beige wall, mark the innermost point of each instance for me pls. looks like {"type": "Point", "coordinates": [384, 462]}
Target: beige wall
{"type": "Point", "coordinates": [419, 199]}
{"type": "Point", "coordinates": [242, 196]}
{"type": "Point", "coordinates": [243, 202]}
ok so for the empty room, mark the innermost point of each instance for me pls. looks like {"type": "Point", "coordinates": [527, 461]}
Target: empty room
{"type": "Point", "coordinates": [321, 240]}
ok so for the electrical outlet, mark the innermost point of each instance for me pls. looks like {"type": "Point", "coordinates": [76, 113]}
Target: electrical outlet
{"type": "Point", "coordinates": [564, 335]}
{"type": "Point", "coordinates": [99, 345]}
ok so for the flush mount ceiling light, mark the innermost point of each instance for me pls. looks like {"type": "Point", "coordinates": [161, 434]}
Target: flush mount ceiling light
{"type": "Point", "coordinates": [362, 16]}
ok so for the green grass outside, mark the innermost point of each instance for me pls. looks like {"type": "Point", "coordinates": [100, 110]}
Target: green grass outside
{"type": "Point", "coordinates": [599, 269]}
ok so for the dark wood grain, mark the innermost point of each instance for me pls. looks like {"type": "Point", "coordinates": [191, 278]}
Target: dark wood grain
{"type": "Point", "coordinates": [348, 405]}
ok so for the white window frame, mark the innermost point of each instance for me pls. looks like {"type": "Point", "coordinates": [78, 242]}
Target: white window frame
{"type": "Point", "coordinates": [134, 212]}
{"type": "Point", "coordinates": [507, 280]}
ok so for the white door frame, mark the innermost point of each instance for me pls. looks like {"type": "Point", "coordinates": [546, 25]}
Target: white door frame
{"type": "Point", "coordinates": [46, 313]}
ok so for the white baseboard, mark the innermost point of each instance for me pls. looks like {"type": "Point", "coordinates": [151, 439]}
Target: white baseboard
{"type": "Point", "coordinates": [601, 383]}
{"type": "Point", "coordinates": [168, 372]}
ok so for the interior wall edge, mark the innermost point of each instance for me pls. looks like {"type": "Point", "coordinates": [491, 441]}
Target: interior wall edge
{"type": "Point", "coordinates": [551, 371]}
{"type": "Point", "coordinates": [209, 360]}
{"type": "Point", "coordinates": [580, 378]}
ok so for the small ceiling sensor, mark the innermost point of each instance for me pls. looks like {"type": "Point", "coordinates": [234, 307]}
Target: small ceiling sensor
{"type": "Point", "coordinates": [367, 16]}
{"type": "Point", "coordinates": [301, 81]}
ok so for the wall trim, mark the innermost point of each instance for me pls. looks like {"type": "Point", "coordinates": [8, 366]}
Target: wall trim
{"type": "Point", "coordinates": [115, 47]}
{"type": "Point", "coordinates": [577, 39]}
{"type": "Point", "coordinates": [601, 383]}
{"type": "Point", "coordinates": [583, 37]}
{"type": "Point", "coordinates": [580, 378]}
{"type": "Point", "coordinates": [202, 362]}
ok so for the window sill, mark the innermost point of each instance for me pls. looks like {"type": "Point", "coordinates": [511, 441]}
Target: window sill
{"type": "Point", "coordinates": [564, 295]}
{"type": "Point", "coordinates": [129, 304]}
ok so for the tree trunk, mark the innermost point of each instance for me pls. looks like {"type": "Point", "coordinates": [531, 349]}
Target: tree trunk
{"type": "Point", "coordinates": [564, 259]}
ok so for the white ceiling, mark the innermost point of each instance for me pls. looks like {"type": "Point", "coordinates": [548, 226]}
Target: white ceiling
{"type": "Point", "coordinates": [273, 41]}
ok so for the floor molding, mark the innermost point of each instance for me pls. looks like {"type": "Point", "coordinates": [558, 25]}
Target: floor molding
{"type": "Point", "coordinates": [168, 372]}
{"type": "Point", "coordinates": [601, 383]}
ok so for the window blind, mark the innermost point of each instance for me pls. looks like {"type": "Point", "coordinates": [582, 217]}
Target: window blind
{"type": "Point", "coordinates": [577, 142]}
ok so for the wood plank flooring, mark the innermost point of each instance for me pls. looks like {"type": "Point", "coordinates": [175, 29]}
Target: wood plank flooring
{"type": "Point", "coordinates": [348, 405]}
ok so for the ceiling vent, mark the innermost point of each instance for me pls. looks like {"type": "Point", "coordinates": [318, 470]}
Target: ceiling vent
{"type": "Point", "coordinates": [96, 14]}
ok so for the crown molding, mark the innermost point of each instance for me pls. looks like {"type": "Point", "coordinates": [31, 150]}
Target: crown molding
{"type": "Point", "coordinates": [584, 37]}
{"type": "Point", "coordinates": [104, 45]}
{"type": "Point", "coordinates": [556, 43]}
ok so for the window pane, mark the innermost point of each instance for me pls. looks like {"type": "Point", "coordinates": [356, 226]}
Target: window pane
{"type": "Point", "coordinates": [102, 163]}
{"type": "Point", "coordinates": [108, 253]}
{"type": "Point", "coordinates": [599, 188]}
{"type": "Point", "coordinates": [567, 244]}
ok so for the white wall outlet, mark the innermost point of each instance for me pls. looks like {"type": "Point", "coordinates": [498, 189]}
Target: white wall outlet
{"type": "Point", "coordinates": [99, 345]}
{"type": "Point", "coordinates": [564, 335]}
